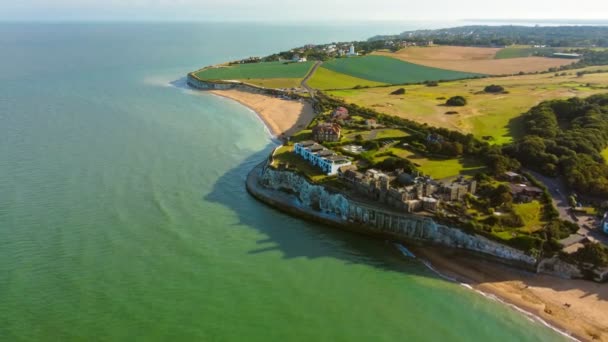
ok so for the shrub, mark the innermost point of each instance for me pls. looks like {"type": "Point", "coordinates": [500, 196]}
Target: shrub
{"type": "Point", "coordinates": [493, 88]}
{"type": "Point", "coordinates": [431, 83]}
{"type": "Point", "coordinates": [399, 91]}
{"type": "Point", "coordinates": [456, 101]}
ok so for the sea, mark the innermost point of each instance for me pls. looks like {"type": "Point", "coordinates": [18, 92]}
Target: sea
{"type": "Point", "coordinates": [124, 216]}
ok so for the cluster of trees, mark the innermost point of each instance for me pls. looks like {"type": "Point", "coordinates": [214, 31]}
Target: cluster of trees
{"type": "Point", "coordinates": [587, 72]}
{"type": "Point", "coordinates": [481, 35]}
{"type": "Point", "coordinates": [456, 101]}
{"type": "Point", "coordinates": [566, 137]}
{"type": "Point", "coordinates": [446, 148]}
{"type": "Point", "coordinates": [400, 91]}
{"type": "Point", "coordinates": [590, 58]}
{"type": "Point", "coordinates": [494, 89]}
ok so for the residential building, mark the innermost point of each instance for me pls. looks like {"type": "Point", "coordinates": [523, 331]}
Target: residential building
{"type": "Point", "coordinates": [430, 203]}
{"type": "Point", "coordinates": [458, 189]}
{"type": "Point", "coordinates": [525, 193]}
{"type": "Point", "coordinates": [327, 131]}
{"type": "Point", "coordinates": [512, 176]}
{"type": "Point", "coordinates": [371, 123]}
{"type": "Point", "coordinates": [317, 155]}
{"type": "Point", "coordinates": [340, 113]}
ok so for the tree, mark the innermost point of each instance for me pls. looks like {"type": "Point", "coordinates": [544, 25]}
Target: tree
{"type": "Point", "coordinates": [456, 101]}
{"type": "Point", "coordinates": [593, 253]}
{"type": "Point", "coordinates": [493, 88]}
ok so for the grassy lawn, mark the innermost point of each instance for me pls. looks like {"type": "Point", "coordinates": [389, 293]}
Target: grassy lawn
{"type": "Point", "coordinates": [302, 135]}
{"type": "Point", "coordinates": [531, 213]}
{"type": "Point", "coordinates": [390, 133]}
{"type": "Point", "coordinates": [485, 114]}
{"type": "Point", "coordinates": [605, 155]}
{"type": "Point", "coordinates": [440, 168]}
{"type": "Point", "coordinates": [257, 71]}
{"type": "Point", "coordinates": [383, 133]}
{"type": "Point", "coordinates": [326, 79]}
{"type": "Point", "coordinates": [523, 51]}
{"type": "Point", "coordinates": [390, 70]}
{"type": "Point", "coordinates": [275, 82]}
{"type": "Point", "coordinates": [285, 154]}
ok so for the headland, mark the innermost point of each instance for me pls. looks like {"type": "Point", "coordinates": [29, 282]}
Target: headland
{"type": "Point", "coordinates": [383, 140]}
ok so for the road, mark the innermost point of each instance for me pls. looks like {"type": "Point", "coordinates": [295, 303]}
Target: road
{"type": "Point", "coordinates": [305, 80]}
{"type": "Point", "coordinates": [559, 193]}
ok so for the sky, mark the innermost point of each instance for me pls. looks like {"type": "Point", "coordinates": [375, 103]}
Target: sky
{"type": "Point", "coordinates": [300, 10]}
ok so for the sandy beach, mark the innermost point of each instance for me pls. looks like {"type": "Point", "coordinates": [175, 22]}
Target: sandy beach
{"type": "Point", "coordinates": [577, 307]}
{"type": "Point", "coordinates": [281, 116]}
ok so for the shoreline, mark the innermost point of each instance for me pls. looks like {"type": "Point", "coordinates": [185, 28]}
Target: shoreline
{"type": "Point", "coordinates": [525, 292]}
{"type": "Point", "coordinates": [273, 134]}
{"type": "Point", "coordinates": [281, 117]}
{"type": "Point", "coordinates": [541, 297]}
{"type": "Point", "coordinates": [572, 308]}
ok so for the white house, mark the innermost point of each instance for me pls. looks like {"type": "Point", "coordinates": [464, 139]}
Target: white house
{"type": "Point", "coordinates": [318, 155]}
{"type": "Point", "coordinates": [351, 51]}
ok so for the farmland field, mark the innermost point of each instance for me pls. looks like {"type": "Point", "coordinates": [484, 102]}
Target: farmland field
{"type": "Point", "coordinates": [256, 71]}
{"type": "Point", "coordinates": [517, 52]}
{"type": "Point", "coordinates": [389, 70]}
{"type": "Point", "coordinates": [485, 114]}
{"type": "Point", "coordinates": [275, 82]}
{"type": "Point", "coordinates": [475, 60]}
{"type": "Point", "coordinates": [326, 79]}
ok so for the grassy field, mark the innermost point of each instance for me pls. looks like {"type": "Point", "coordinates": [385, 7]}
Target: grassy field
{"type": "Point", "coordinates": [523, 51]}
{"type": "Point", "coordinates": [486, 114]}
{"type": "Point", "coordinates": [257, 71]}
{"type": "Point", "coordinates": [531, 213]}
{"type": "Point", "coordinates": [441, 168]}
{"type": "Point", "coordinates": [276, 83]}
{"type": "Point", "coordinates": [326, 79]}
{"type": "Point", "coordinates": [605, 155]}
{"type": "Point", "coordinates": [389, 70]}
{"type": "Point", "coordinates": [475, 60]}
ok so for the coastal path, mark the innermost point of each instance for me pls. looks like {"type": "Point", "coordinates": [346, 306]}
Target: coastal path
{"type": "Point", "coordinates": [312, 71]}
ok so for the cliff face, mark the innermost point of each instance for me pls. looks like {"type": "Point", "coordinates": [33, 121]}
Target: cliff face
{"type": "Point", "coordinates": [337, 209]}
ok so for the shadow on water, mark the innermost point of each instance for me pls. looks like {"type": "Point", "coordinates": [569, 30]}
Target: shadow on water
{"type": "Point", "coordinates": [296, 238]}
{"type": "Point", "coordinates": [181, 83]}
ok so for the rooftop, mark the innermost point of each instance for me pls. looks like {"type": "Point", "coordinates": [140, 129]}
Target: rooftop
{"type": "Point", "coordinates": [306, 143]}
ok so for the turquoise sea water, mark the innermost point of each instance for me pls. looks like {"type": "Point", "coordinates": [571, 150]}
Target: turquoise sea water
{"type": "Point", "coordinates": [123, 214]}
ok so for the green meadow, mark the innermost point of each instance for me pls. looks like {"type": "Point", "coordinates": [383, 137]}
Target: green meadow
{"type": "Point", "coordinates": [257, 71]}
{"type": "Point", "coordinates": [389, 70]}
{"type": "Point", "coordinates": [327, 79]}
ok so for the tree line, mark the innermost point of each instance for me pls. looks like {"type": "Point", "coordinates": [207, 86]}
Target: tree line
{"type": "Point", "coordinates": [566, 137]}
